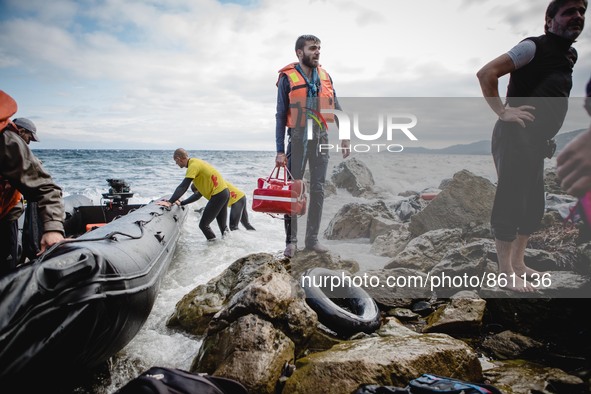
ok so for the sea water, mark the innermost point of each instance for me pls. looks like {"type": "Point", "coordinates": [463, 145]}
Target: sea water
{"type": "Point", "coordinates": [153, 174]}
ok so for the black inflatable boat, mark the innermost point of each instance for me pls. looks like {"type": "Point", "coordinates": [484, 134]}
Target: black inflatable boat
{"type": "Point", "coordinates": [86, 298]}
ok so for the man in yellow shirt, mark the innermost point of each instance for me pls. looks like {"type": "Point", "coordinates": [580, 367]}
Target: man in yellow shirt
{"type": "Point", "coordinates": [210, 183]}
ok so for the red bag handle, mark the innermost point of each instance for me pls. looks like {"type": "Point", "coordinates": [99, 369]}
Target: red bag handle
{"type": "Point", "coordinates": [276, 171]}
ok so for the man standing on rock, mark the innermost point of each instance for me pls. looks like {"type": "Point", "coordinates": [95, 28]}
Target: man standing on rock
{"type": "Point", "coordinates": [304, 89]}
{"type": "Point", "coordinates": [540, 83]}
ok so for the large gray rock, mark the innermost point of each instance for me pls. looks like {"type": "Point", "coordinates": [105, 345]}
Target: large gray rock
{"type": "Point", "coordinates": [194, 311]}
{"type": "Point", "coordinates": [354, 176]}
{"type": "Point", "coordinates": [263, 326]}
{"type": "Point", "coordinates": [250, 350]}
{"type": "Point", "coordinates": [464, 268]}
{"type": "Point", "coordinates": [463, 314]}
{"type": "Point", "coordinates": [305, 260]}
{"type": "Point", "coordinates": [275, 297]}
{"type": "Point", "coordinates": [392, 243]}
{"type": "Point", "coordinates": [362, 221]}
{"type": "Point", "coordinates": [464, 203]}
{"type": "Point", "coordinates": [391, 360]}
{"type": "Point", "coordinates": [518, 377]}
{"type": "Point", "coordinates": [398, 287]}
{"type": "Point", "coordinates": [508, 345]}
{"type": "Point", "coordinates": [427, 250]}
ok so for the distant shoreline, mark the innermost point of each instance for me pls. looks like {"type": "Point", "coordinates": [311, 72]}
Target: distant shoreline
{"type": "Point", "coordinates": [474, 148]}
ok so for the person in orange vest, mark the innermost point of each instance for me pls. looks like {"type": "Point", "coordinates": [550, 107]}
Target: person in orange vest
{"type": "Point", "coordinates": [303, 90]}
{"type": "Point", "coordinates": [237, 204]}
{"type": "Point", "coordinates": [22, 172]}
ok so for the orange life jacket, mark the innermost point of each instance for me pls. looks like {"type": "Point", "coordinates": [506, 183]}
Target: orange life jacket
{"type": "Point", "coordinates": [9, 196]}
{"type": "Point", "coordinates": [296, 116]}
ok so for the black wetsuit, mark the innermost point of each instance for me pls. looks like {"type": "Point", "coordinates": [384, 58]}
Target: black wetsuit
{"type": "Point", "coordinates": [238, 211]}
{"type": "Point", "coordinates": [518, 152]}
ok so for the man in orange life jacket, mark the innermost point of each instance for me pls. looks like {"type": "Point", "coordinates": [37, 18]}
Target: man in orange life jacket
{"type": "Point", "coordinates": [21, 172]}
{"type": "Point", "coordinates": [304, 88]}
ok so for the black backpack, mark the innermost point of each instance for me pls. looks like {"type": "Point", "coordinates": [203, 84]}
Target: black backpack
{"type": "Point", "coordinates": [159, 380]}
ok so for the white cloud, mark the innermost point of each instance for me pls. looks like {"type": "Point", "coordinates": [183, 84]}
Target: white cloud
{"type": "Point", "coordinates": [201, 74]}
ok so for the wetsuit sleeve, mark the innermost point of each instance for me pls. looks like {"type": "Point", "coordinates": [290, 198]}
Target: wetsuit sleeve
{"type": "Point", "coordinates": [194, 197]}
{"type": "Point", "coordinates": [522, 53]}
{"type": "Point", "coordinates": [180, 190]}
{"type": "Point", "coordinates": [281, 114]}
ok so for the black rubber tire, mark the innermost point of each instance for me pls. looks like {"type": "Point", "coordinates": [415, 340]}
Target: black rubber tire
{"type": "Point", "coordinates": [359, 314]}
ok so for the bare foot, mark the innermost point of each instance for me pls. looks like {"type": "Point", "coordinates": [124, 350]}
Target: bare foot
{"type": "Point", "coordinates": [516, 284]}
{"type": "Point", "coordinates": [524, 269]}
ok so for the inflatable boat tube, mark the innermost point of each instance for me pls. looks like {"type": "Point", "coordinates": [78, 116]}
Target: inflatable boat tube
{"type": "Point", "coordinates": [87, 297]}
{"type": "Point", "coordinates": [344, 309]}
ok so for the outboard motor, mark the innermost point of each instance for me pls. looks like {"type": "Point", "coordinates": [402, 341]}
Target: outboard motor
{"type": "Point", "coordinates": [118, 195]}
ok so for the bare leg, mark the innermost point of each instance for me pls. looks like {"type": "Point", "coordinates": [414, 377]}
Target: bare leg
{"type": "Point", "coordinates": [504, 255]}
{"type": "Point", "coordinates": [517, 257]}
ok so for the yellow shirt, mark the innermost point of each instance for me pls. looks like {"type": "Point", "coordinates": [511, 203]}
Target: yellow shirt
{"type": "Point", "coordinates": [235, 194]}
{"type": "Point", "coordinates": [206, 178]}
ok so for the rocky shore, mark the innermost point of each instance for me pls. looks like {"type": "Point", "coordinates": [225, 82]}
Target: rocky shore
{"type": "Point", "coordinates": [258, 329]}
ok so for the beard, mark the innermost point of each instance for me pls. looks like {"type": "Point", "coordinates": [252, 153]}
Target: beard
{"type": "Point", "coordinates": [568, 31]}
{"type": "Point", "coordinates": [309, 61]}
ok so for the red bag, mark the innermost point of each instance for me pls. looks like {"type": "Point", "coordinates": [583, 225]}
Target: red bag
{"type": "Point", "coordinates": [280, 195]}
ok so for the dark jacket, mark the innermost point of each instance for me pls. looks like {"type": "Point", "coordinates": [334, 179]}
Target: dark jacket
{"type": "Point", "coordinates": [24, 171]}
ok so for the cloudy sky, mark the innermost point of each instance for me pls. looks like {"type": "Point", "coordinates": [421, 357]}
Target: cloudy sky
{"type": "Point", "coordinates": [160, 74]}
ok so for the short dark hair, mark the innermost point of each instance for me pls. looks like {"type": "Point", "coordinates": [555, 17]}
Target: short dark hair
{"type": "Point", "coordinates": [553, 8]}
{"type": "Point", "coordinates": [301, 41]}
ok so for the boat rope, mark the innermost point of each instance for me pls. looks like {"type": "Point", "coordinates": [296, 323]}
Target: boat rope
{"type": "Point", "coordinates": [110, 236]}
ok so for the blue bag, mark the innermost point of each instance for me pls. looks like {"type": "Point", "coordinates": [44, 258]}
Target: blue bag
{"type": "Point", "coordinates": [429, 384]}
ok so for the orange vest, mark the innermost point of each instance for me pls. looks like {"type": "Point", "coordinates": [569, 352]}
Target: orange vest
{"type": "Point", "coordinates": [9, 196]}
{"type": "Point", "coordinates": [296, 116]}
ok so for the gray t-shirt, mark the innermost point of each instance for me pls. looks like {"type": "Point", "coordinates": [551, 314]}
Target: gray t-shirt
{"type": "Point", "coordinates": [522, 53]}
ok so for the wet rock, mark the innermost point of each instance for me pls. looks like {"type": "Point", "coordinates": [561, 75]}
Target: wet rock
{"type": "Point", "coordinates": [194, 311]}
{"type": "Point", "coordinates": [305, 260]}
{"type": "Point", "coordinates": [462, 268]}
{"type": "Point", "coordinates": [466, 201]}
{"type": "Point", "coordinates": [404, 314]}
{"type": "Point", "coordinates": [392, 360]}
{"type": "Point", "coordinates": [264, 325]}
{"type": "Point", "coordinates": [392, 327]}
{"type": "Point", "coordinates": [250, 350]}
{"type": "Point", "coordinates": [423, 308]}
{"type": "Point", "coordinates": [426, 250]}
{"type": "Point", "coordinates": [275, 297]}
{"type": "Point", "coordinates": [392, 243]}
{"type": "Point", "coordinates": [552, 284]}
{"type": "Point", "coordinates": [508, 345]}
{"type": "Point", "coordinates": [354, 176]}
{"type": "Point", "coordinates": [371, 220]}
{"type": "Point", "coordinates": [398, 287]}
{"type": "Point", "coordinates": [552, 182]}
{"type": "Point", "coordinates": [463, 314]}
{"type": "Point", "coordinates": [519, 377]}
